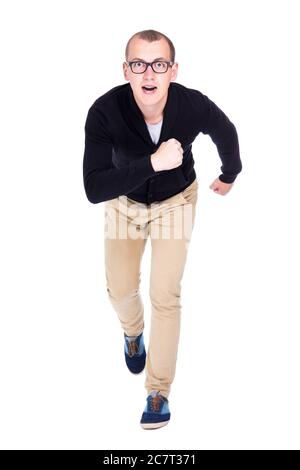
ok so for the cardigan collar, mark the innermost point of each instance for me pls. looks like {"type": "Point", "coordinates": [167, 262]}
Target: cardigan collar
{"type": "Point", "coordinates": [135, 116]}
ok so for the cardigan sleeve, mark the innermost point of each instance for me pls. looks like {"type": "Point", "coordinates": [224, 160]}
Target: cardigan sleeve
{"type": "Point", "coordinates": [223, 133]}
{"type": "Point", "coordinates": [102, 181]}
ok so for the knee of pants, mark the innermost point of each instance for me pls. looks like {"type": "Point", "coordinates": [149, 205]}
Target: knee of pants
{"type": "Point", "coordinates": [165, 296]}
{"type": "Point", "coordinates": [122, 292]}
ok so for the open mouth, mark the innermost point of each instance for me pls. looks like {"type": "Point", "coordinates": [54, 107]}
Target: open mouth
{"type": "Point", "coordinates": [149, 90]}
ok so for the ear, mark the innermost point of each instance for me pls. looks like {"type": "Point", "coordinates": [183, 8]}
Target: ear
{"type": "Point", "coordinates": [174, 71]}
{"type": "Point", "coordinates": [125, 71]}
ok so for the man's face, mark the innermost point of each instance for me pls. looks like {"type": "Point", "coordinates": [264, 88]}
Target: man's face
{"type": "Point", "coordinates": [140, 49]}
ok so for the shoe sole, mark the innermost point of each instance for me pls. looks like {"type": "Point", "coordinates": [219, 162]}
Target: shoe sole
{"type": "Point", "coordinates": [154, 425]}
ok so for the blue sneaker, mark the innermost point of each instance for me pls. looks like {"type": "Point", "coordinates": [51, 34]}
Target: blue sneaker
{"type": "Point", "coordinates": [156, 413]}
{"type": "Point", "coordinates": [135, 353]}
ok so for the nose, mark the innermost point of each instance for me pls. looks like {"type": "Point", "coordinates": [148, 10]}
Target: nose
{"type": "Point", "coordinates": [149, 72]}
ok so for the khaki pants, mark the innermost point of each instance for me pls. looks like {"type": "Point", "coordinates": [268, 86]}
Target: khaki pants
{"type": "Point", "coordinates": [127, 226]}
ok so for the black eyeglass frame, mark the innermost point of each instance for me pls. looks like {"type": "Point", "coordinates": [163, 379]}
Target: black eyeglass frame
{"type": "Point", "coordinates": [169, 62]}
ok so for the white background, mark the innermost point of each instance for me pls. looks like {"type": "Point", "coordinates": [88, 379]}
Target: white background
{"type": "Point", "coordinates": [64, 383]}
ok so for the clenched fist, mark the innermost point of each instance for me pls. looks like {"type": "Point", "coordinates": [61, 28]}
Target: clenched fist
{"type": "Point", "coordinates": [168, 156]}
{"type": "Point", "coordinates": [219, 187]}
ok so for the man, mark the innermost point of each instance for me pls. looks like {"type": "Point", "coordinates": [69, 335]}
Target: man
{"type": "Point", "coordinates": [138, 159]}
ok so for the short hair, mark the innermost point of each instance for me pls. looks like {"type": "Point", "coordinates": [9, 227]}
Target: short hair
{"type": "Point", "coordinates": [151, 35]}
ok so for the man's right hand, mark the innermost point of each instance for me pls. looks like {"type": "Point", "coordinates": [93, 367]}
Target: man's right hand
{"type": "Point", "coordinates": [168, 156]}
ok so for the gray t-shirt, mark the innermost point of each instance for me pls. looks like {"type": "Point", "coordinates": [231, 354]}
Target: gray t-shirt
{"type": "Point", "coordinates": [154, 130]}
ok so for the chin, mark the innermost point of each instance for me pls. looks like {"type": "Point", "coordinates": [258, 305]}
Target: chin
{"type": "Point", "coordinates": [148, 98]}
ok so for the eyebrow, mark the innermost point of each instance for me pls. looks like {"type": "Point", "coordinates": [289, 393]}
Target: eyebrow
{"type": "Point", "coordinates": [157, 58]}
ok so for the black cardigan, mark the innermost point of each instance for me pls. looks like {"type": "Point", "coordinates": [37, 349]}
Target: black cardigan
{"type": "Point", "coordinates": [118, 145]}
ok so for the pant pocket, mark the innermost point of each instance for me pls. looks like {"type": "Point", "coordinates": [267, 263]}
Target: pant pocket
{"type": "Point", "coordinates": [190, 193]}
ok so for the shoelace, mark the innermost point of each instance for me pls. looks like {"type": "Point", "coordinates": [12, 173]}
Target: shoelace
{"type": "Point", "coordinates": [132, 348]}
{"type": "Point", "coordinates": [155, 402]}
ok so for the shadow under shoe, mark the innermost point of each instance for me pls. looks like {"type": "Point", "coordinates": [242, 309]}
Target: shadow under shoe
{"type": "Point", "coordinates": [135, 353]}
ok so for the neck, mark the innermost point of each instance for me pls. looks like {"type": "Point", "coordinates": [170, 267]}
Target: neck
{"type": "Point", "coordinates": [153, 114]}
{"type": "Point", "coordinates": [154, 120]}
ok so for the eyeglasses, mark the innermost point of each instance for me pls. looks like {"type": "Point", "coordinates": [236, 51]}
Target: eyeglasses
{"type": "Point", "coordinates": [157, 66]}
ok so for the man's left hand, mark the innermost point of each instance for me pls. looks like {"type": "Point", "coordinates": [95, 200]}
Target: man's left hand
{"type": "Point", "coordinates": [219, 187]}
